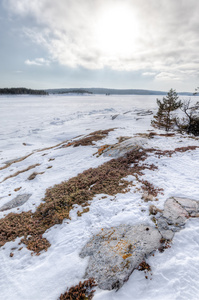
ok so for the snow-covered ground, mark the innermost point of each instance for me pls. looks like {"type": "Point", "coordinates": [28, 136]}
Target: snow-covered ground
{"type": "Point", "coordinates": [29, 124]}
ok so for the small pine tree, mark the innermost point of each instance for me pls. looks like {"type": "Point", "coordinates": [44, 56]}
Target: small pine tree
{"type": "Point", "coordinates": [164, 118]}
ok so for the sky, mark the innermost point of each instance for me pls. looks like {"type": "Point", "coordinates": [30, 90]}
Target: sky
{"type": "Point", "coordinates": [135, 44]}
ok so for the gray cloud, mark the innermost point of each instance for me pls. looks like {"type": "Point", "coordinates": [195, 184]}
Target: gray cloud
{"type": "Point", "coordinates": [166, 43]}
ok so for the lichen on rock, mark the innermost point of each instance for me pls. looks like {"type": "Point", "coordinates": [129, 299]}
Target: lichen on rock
{"type": "Point", "coordinates": [114, 253]}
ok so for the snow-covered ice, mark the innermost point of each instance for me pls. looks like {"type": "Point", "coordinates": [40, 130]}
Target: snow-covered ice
{"type": "Point", "coordinates": [29, 124]}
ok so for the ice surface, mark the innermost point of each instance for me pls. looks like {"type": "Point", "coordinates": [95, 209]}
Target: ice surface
{"type": "Point", "coordinates": [31, 123]}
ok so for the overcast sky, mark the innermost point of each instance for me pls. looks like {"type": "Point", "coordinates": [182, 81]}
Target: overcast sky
{"type": "Point", "coordinates": [146, 44]}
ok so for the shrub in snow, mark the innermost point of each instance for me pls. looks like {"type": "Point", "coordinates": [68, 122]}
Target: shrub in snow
{"type": "Point", "coordinates": [164, 117]}
{"type": "Point", "coordinates": [189, 123]}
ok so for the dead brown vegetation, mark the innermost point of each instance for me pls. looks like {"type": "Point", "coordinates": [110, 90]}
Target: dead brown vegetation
{"type": "Point", "coordinates": [160, 153]}
{"type": "Point", "coordinates": [90, 138]}
{"type": "Point", "coordinates": [143, 266]}
{"type": "Point", "coordinates": [82, 291]}
{"type": "Point", "coordinates": [19, 172]}
{"type": "Point", "coordinates": [59, 200]}
{"type": "Point", "coordinates": [34, 174]}
{"type": "Point", "coordinates": [15, 161]}
{"type": "Point", "coordinates": [153, 133]}
{"type": "Point", "coordinates": [86, 141]}
{"type": "Point", "coordinates": [150, 188]}
{"type": "Point", "coordinates": [153, 210]}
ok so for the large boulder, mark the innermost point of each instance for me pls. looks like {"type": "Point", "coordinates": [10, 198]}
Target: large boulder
{"type": "Point", "coordinates": [114, 253]}
{"type": "Point", "coordinates": [120, 149]}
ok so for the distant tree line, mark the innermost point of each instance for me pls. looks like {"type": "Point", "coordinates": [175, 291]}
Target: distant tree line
{"type": "Point", "coordinates": [78, 91]}
{"type": "Point", "coordinates": [21, 91]}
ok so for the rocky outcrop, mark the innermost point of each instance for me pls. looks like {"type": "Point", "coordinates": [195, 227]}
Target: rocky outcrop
{"type": "Point", "coordinates": [17, 201]}
{"type": "Point", "coordinates": [114, 253]}
{"type": "Point", "coordinates": [175, 214]}
{"type": "Point", "coordinates": [121, 149]}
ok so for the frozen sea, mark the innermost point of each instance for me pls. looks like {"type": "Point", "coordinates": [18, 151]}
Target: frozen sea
{"type": "Point", "coordinates": [35, 126]}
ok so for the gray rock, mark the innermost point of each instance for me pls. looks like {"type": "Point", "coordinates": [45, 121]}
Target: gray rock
{"type": "Point", "coordinates": [120, 149]}
{"type": "Point", "coordinates": [191, 206]}
{"type": "Point", "coordinates": [17, 201]}
{"type": "Point", "coordinates": [114, 117]}
{"type": "Point", "coordinates": [175, 214]}
{"type": "Point", "coordinates": [116, 252]}
{"type": "Point", "coordinates": [144, 112]}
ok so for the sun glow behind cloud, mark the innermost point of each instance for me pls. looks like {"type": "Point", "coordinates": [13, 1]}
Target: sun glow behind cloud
{"type": "Point", "coordinates": [156, 38]}
{"type": "Point", "coordinates": [116, 31]}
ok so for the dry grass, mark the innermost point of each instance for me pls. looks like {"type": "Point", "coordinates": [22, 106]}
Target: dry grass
{"type": "Point", "coordinates": [59, 200]}
{"type": "Point", "coordinates": [150, 189]}
{"type": "Point", "coordinates": [34, 174]}
{"type": "Point", "coordinates": [82, 291]}
{"type": "Point", "coordinates": [143, 266]}
{"type": "Point", "coordinates": [86, 141]}
{"type": "Point", "coordinates": [123, 138]}
{"type": "Point", "coordinates": [153, 210]}
{"type": "Point", "coordinates": [90, 138]}
{"type": "Point", "coordinates": [17, 189]}
{"type": "Point", "coordinates": [169, 153]}
{"type": "Point", "coordinates": [19, 172]}
{"type": "Point", "coordinates": [15, 161]}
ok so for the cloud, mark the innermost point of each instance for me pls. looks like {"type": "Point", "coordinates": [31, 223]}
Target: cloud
{"type": "Point", "coordinates": [163, 40]}
{"type": "Point", "coordinates": [168, 76]}
{"type": "Point", "coordinates": [38, 62]}
{"type": "Point", "coordinates": [149, 74]}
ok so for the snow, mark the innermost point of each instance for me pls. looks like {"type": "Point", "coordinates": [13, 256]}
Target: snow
{"type": "Point", "coordinates": [31, 123]}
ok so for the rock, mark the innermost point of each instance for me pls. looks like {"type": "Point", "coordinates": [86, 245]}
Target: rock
{"type": "Point", "coordinates": [17, 201]}
{"type": "Point", "coordinates": [114, 117]}
{"type": "Point", "coordinates": [144, 112]}
{"type": "Point", "coordinates": [175, 214]}
{"type": "Point", "coordinates": [116, 252]}
{"type": "Point", "coordinates": [120, 149]}
{"type": "Point", "coordinates": [191, 206]}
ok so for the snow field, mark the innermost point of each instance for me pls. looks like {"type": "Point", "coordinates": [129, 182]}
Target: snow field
{"type": "Point", "coordinates": [42, 122]}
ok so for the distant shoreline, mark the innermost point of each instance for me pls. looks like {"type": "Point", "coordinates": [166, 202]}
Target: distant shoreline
{"type": "Point", "coordinates": [106, 91]}
{"type": "Point", "coordinates": [88, 91]}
